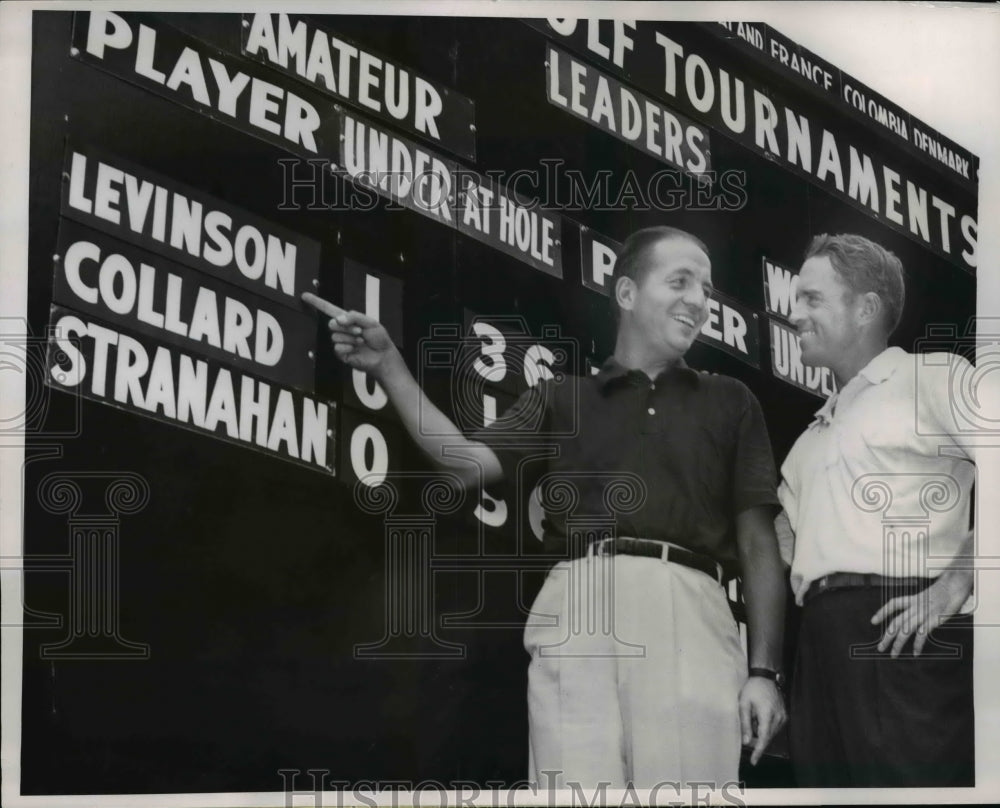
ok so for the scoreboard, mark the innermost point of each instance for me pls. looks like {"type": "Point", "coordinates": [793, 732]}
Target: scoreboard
{"type": "Point", "coordinates": [237, 564]}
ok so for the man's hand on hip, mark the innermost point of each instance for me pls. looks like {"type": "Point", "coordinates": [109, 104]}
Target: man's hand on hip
{"type": "Point", "coordinates": [918, 615]}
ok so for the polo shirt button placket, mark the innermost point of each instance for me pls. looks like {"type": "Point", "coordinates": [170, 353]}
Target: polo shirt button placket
{"type": "Point", "coordinates": [651, 425]}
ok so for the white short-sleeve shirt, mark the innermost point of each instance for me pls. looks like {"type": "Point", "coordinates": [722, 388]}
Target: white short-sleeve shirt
{"type": "Point", "coordinates": [880, 482]}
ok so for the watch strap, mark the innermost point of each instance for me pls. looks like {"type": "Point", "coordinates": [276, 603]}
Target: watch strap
{"type": "Point", "coordinates": [768, 673]}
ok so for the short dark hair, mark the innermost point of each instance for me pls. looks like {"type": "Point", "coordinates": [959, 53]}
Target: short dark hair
{"type": "Point", "coordinates": [629, 264]}
{"type": "Point", "coordinates": [865, 266]}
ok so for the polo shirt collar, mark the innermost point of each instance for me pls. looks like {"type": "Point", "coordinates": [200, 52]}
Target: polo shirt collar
{"type": "Point", "coordinates": [878, 370]}
{"type": "Point", "coordinates": [884, 365]}
{"type": "Point", "coordinates": [824, 415]}
{"type": "Point", "coordinates": [613, 370]}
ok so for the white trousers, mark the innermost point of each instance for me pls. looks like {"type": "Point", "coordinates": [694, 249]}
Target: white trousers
{"type": "Point", "coordinates": [636, 668]}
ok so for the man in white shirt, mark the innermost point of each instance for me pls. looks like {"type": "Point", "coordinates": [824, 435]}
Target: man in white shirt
{"type": "Point", "coordinates": [877, 493]}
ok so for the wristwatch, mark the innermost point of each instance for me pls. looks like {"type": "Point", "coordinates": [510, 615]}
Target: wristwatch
{"type": "Point", "coordinates": [767, 673]}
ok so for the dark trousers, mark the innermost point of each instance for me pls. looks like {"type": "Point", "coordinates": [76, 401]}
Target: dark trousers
{"type": "Point", "coordinates": [860, 718]}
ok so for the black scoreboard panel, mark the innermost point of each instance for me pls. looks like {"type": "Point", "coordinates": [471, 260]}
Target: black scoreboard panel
{"type": "Point", "coordinates": [281, 581]}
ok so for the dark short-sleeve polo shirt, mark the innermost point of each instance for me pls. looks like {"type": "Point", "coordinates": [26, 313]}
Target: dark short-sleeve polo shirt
{"type": "Point", "coordinates": [697, 443]}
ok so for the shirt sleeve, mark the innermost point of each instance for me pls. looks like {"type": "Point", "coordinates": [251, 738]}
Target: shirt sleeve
{"type": "Point", "coordinates": [948, 399]}
{"type": "Point", "coordinates": [755, 477]}
{"type": "Point", "coordinates": [786, 523]}
{"type": "Point", "coordinates": [517, 435]}
{"type": "Point", "coordinates": [786, 536]}
{"type": "Point", "coordinates": [787, 493]}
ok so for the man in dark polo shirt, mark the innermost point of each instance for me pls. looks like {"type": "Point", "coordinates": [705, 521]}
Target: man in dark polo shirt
{"type": "Point", "coordinates": [637, 674]}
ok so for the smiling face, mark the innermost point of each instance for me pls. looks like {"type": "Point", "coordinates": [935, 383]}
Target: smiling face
{"type": "Point", "coordinates": [826, 315]}
{"type": "Point", "coordinates": [668, 305]}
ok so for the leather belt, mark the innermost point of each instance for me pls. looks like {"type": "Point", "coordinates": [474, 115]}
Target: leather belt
{"type": "Point", "coordinates": [664, 551]}
{"type": "Point", "coordinates": [859, 580]}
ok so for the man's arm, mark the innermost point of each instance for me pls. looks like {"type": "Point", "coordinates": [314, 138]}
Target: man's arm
{"type": "Point", "coordinates": [918, 615]}
{"type": "Point", "coordinates": [362, 343]}
{"type": "Point", "coordinates": [764, 594]}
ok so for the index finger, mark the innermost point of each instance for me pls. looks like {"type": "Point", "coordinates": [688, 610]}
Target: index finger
{"type": "Point", "coordinates": [321, 305]}
{"type": "Point", "coordinates": [763, 736]}
{"type": "Point", "coordinates": [894, 605]}
{"type": "Point", "coordinates": [746, 720]}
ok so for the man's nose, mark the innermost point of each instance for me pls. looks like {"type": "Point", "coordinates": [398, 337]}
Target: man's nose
{"type": "Point", "coordinates": [796, 315]}
{"type": "Point", "coordinates": [695, 297]}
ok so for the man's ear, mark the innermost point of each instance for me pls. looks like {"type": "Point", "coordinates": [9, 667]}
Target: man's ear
{"type": "Point", "coordinates": [869, 308]}
{"type": "Point", "coordinates": [625, 293]}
